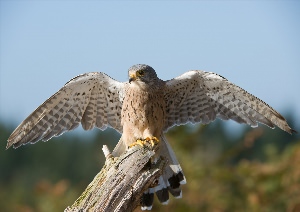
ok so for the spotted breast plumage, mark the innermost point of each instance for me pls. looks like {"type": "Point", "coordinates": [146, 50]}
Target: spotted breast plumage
{"type": "Point", "coordinates": [145, 108]}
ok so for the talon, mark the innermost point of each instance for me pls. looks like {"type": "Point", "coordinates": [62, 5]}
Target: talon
{"type": "Point", "coordinates": [156, 139]}
{"type": "Point", "coordinates": [138, 142]}
{"type": "Point", "coordinates": [152, 143]}
{"type": "Point", "coordinates": [142, 142]}
{"type": "Point", "coordinates": [152, 140]}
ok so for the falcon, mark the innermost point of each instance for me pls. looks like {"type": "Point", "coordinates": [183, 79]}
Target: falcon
{"type": "Point", "coordinates": [143, 109]}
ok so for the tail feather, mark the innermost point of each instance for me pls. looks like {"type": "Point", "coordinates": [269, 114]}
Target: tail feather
{"type": "Point", "coordinates": [161, 191]}
{"type": "Point", "coordinates": [119, 148]}
{"type": "Point", "coordinates": [175, 181]}
{"type": "Point", "coordinates": [147, 200]}
{"type": "Point", "coordinates": [170, 180]}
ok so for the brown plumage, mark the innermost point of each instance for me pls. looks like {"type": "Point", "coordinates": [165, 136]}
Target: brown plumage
{"type": "Point", "coordinates": [145, 107]}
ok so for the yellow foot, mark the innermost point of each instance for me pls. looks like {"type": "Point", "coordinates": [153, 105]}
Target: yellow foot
{"type": "Point", "coordinates": [138, 142]}
{"type": "Point", "coordinates": [143, 142]}
{"type": "Point", "coordinates": [152, 140]}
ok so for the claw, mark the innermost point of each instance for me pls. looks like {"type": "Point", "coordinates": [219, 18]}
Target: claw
{"type": "Point", "coordinates": [142, 142]}
{"type": "Point", "coordinates": [138, 142]}
{"type": "Point", "coordinates": [152, 140]}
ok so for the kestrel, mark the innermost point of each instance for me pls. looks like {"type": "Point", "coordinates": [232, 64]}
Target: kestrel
{"type": "Point", "coordinates": [143, 109]}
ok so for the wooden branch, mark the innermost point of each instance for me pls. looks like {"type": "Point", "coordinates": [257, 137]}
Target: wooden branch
{"type": "Point", "coordinates": [121, 182]}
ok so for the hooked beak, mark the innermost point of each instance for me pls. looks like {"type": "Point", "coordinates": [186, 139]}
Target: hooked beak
{"type": "Point", "coordinates": [132, 77]}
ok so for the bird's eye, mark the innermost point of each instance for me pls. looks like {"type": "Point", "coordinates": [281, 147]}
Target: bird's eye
{"type": "Point", "coordinates": [141, 72]}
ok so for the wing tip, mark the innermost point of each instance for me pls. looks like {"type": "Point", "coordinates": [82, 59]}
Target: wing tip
{"type": "Point", "coordinates": [292, 131]}
{"type": "Point", "coordinates": [288, 129]}
{"type": "Point", "coordinates": [9, 143]}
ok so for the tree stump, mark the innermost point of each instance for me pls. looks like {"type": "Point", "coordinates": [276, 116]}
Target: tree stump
{"type": "Point", "coordinates": [121, 182]}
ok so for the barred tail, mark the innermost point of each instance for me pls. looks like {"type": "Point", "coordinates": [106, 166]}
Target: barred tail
{"type": "Point", "coordinates": [170, 180]}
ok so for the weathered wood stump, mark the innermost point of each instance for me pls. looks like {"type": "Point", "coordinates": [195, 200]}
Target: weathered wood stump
{"type": "Point", "coordinates": [121, 182]}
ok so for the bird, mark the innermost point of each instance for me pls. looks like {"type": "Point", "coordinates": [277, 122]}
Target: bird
{"type": "Point", "coordinates": [143, 109]}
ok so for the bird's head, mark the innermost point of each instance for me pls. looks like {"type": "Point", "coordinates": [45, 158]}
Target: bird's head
{"type": "Point", "coordinates": [142, 73]}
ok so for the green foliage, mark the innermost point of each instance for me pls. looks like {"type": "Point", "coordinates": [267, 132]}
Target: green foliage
{"type": "Point", "coordinates": [256, 171]}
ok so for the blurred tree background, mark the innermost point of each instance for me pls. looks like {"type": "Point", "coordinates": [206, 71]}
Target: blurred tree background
{"type": "Point", "coordinates": [258, 170]}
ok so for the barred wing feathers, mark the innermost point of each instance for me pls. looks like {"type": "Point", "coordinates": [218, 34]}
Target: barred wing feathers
{"type": "Point", "coordinates": [199, 96]}
{"type": "Point", "coordinates": [92, 99]}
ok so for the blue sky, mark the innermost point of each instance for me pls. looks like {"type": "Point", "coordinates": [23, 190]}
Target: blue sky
{"type": "Point", "coordinates": [43, 44]}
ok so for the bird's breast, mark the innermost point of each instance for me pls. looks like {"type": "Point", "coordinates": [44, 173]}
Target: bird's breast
{"type": "Point", "coordinates": [143, 110]}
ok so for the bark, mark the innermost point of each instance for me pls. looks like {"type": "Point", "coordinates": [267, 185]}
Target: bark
{"type": "Point", "coordinates": [121, 182]}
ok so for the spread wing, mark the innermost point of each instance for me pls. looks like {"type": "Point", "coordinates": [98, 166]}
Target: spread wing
{"type": "Point", "coordinates": [92, 99]}
{"type": "Point", "coordinates": [199, 96]}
